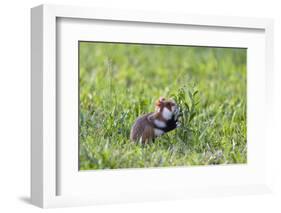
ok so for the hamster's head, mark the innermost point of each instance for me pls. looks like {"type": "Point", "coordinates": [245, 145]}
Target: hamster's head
{"type": "Point", "coordinates": [168, 108]}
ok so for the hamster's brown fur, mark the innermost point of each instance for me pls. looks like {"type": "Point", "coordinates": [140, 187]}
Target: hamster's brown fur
{"type": "Point", "coordinates": [147, 127]}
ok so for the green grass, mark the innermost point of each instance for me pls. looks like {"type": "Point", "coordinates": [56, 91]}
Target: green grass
{"type": "Point", "coordinates": [119, 82]}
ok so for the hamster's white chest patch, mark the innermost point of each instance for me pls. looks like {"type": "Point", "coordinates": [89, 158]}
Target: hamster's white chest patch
{"type": "Point", "coordinates": [159, 123]}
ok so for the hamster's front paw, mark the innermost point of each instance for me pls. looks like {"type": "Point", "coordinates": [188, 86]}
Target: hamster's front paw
{"type": "Point", "coordinates": [176, 114]}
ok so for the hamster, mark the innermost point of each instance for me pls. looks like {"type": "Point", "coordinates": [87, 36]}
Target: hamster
{"type": "Point", "coordinates": [149, 126]}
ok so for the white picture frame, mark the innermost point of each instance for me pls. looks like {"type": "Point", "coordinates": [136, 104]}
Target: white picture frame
{"type": "Point", "coordinates": [47, 164]}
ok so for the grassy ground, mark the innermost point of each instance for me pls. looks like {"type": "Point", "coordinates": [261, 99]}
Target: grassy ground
{"type": "Point", "coordinates": [120, 82]}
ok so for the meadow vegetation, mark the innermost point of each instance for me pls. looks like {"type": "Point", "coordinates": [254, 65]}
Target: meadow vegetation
{"type": "Point", "coordinates": [119, 82]}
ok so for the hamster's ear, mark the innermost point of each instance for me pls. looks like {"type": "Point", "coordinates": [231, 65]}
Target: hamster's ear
{"type": "Point", "coordinates": [160, 101]}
